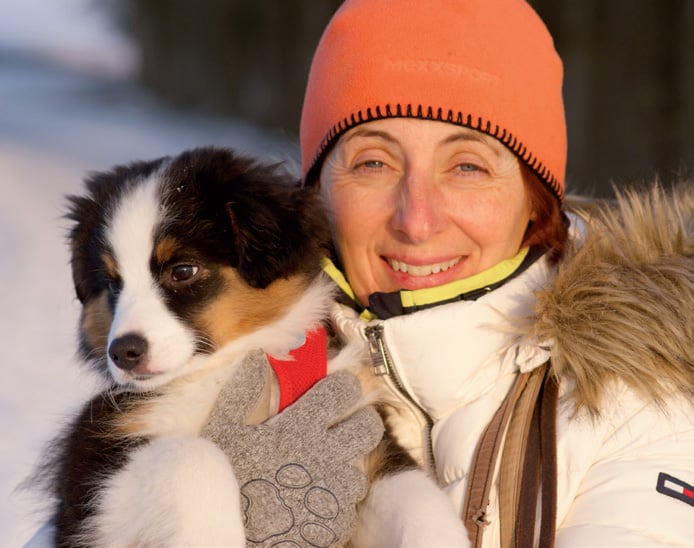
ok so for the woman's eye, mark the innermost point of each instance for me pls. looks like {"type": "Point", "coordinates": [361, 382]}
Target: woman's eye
{"type": "Point", "coordinates": [184, 272]}
{"type": "Point", "coordinates": [370, 164]}
{"type": "Point", "coordinates": [468, 168]}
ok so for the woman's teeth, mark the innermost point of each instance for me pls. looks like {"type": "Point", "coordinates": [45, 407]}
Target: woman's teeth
{"type": "Point", "coordinates": [422, 270]}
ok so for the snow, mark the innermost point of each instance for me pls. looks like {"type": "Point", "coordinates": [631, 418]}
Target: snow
{"type": "Point", "coordinates": [75, 33]}
{"type": "Point", "coordinates": [66, 109]}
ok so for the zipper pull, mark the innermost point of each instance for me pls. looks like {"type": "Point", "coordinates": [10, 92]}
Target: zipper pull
{"type": "Point", "coordinates": [379, 360]}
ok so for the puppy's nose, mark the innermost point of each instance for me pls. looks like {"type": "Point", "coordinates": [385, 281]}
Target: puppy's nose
{"type": "Point", "coordinates": [128, 351]}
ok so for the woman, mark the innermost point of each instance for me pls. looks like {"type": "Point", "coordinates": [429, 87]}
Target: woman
{"type": "Point", "coordinates": [436, 133]}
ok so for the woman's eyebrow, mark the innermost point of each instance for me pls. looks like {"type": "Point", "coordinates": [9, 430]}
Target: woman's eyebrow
{"type": "Point", "coordinates": [472, 136]}
{"type": "Point", "coordinates": [462, 135]}
{"type": "Point", "coordinates": [367, 132]}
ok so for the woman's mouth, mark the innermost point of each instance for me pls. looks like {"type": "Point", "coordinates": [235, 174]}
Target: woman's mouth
{"type": "Point", "coordinates": [422, 270]}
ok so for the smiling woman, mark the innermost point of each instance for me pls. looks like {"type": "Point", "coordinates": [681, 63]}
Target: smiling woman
{"type": "Point", "coordinates": [437, 203]}
{"type": "Point", "coordinates": [436, 133]}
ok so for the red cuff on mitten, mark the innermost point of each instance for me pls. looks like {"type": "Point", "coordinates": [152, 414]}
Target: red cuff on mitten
{"type": "Point", "coordinates": [308, 364]}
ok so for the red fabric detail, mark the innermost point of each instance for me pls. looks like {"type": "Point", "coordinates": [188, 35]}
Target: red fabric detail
{"type": "Point", "coordinates": [307, 365]}
{"type": "Point", "coordinates": [688, 493]}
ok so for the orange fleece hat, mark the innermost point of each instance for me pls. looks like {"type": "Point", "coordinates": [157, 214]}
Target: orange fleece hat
{"type": "Point", "coordinates": [486, 64]}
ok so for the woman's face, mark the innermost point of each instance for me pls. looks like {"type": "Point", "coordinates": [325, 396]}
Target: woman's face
{"type": "Point", "coordinates": [420, 203]}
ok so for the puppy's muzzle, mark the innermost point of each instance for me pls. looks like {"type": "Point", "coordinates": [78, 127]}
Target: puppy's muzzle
{"type": "Point", "coordinates": [128, 351]}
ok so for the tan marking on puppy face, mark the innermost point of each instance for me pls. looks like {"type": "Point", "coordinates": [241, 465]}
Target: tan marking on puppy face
{"type": "Point", "coordinates": [110, 265]}
{"type": "Point", "coordinates": [165, 249]}
{"type": "Point", "coordinates": [241, 308]}
{"type": "Point", "coordinates": [95, 323]}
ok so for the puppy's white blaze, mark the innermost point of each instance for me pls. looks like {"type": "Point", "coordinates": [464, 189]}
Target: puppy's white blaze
{"type": "Point", "coordinates": [131, 228]}
{"type": "Point", "coordinates": [140, 307]}
{"type": "Point", "coordinates": [170, 344]}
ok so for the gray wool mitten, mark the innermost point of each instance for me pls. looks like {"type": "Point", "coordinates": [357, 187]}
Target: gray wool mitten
{"type": "Point", "coordinates": [298, 483]}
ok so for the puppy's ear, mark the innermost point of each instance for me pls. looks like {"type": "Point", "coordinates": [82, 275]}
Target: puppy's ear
{"type": "Point", "coordinates": [89, 214]}
{"type": "Point", "coordinates": [280, 230]}
{"type": "Point", "coordinates": [84, 212]}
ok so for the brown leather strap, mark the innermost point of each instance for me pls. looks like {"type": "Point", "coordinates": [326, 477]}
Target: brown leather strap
{"type": "Point", "coordinates": [483, 464]}
{"type": "Point", "coordinates": [540, 471]}
{"type": "Point", "coordinates": [525, 424]}
{"type": "Point", "coordinates": [530, 464]}
{"type": "Point", "coordinates": [518, 442]}
{"type": "Point", "coordinates": [548, 434]}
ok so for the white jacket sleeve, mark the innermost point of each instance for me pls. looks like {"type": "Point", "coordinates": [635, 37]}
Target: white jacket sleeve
{"type": "Point", "coordinates": [635, 492]}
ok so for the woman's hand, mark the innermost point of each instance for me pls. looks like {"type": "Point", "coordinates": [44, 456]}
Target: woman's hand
{"type": "Point", "coordinates": [296, 470]}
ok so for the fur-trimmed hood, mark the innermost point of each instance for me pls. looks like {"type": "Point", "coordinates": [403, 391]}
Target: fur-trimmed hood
{"type": "Point", "coordinates": [622, 303]}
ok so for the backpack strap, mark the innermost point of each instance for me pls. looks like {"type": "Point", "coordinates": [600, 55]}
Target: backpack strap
{"type": "Point", "coordinates": [520, 439]}
{"type": "Point", "coordinates": [548, 444]}
{"type": "Point", "coordinates": [484, 462]}
{"type": "Point", "coordinates": [525, 425]}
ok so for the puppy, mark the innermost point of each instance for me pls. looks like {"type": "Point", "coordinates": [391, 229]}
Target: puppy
{"type": "Point", "coordinates": [175, 261]}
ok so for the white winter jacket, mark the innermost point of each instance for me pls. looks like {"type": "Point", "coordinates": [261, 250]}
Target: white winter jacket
{"type": "Point", "coordinates": [625, 446]}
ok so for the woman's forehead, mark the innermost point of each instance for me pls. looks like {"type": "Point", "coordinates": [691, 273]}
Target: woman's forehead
{"type": "Point", "coordinates": [395, 130]}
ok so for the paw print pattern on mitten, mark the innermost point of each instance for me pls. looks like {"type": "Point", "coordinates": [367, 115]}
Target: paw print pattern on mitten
{"type": "Point", "coordinates": [293, 507]}
{"type": "Point", "coordinates": [299, 483]}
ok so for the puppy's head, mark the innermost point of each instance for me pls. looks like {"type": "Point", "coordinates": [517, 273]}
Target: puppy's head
{"type": "Point", "coordinates": [178, 256]}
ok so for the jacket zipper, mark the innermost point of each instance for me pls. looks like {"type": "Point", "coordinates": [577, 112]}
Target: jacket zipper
{"type": "Point", "coordinates": [383, 365]}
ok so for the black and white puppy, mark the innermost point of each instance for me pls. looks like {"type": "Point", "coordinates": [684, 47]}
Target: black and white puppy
{"type": "Point", "coordinates": [173, 260]}
{"type": "Point", "coordinates": [183, 265]}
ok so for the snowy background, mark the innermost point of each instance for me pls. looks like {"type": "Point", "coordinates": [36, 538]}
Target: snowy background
{"type": "Point", "coordinates": [66, 108]}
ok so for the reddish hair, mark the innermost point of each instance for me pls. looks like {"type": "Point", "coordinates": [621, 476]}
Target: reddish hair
{"type": "Point", "coordinates": [549, 228]}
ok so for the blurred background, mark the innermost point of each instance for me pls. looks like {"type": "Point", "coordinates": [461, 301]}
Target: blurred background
{"type": "Point", "coordinates": [85, 84]}
{"type": "Point", "coordinates": [629, 65]}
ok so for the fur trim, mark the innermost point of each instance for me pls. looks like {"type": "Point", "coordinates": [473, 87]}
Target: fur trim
{"type": "Point", "coordinates": [622, 301]}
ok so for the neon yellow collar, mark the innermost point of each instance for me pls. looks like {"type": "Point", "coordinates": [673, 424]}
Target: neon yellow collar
{"type": "Point", "coordinates": [419, 298]}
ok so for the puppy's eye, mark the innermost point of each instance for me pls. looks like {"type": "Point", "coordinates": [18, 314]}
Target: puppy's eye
{"type": "Point", "coordinates": [184, 272]}
{"type": "Point", "coordinates": [114, 287]}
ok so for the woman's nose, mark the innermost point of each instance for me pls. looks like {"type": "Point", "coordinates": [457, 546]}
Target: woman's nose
{"type": "Point", "coordinates": [419, 212]}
